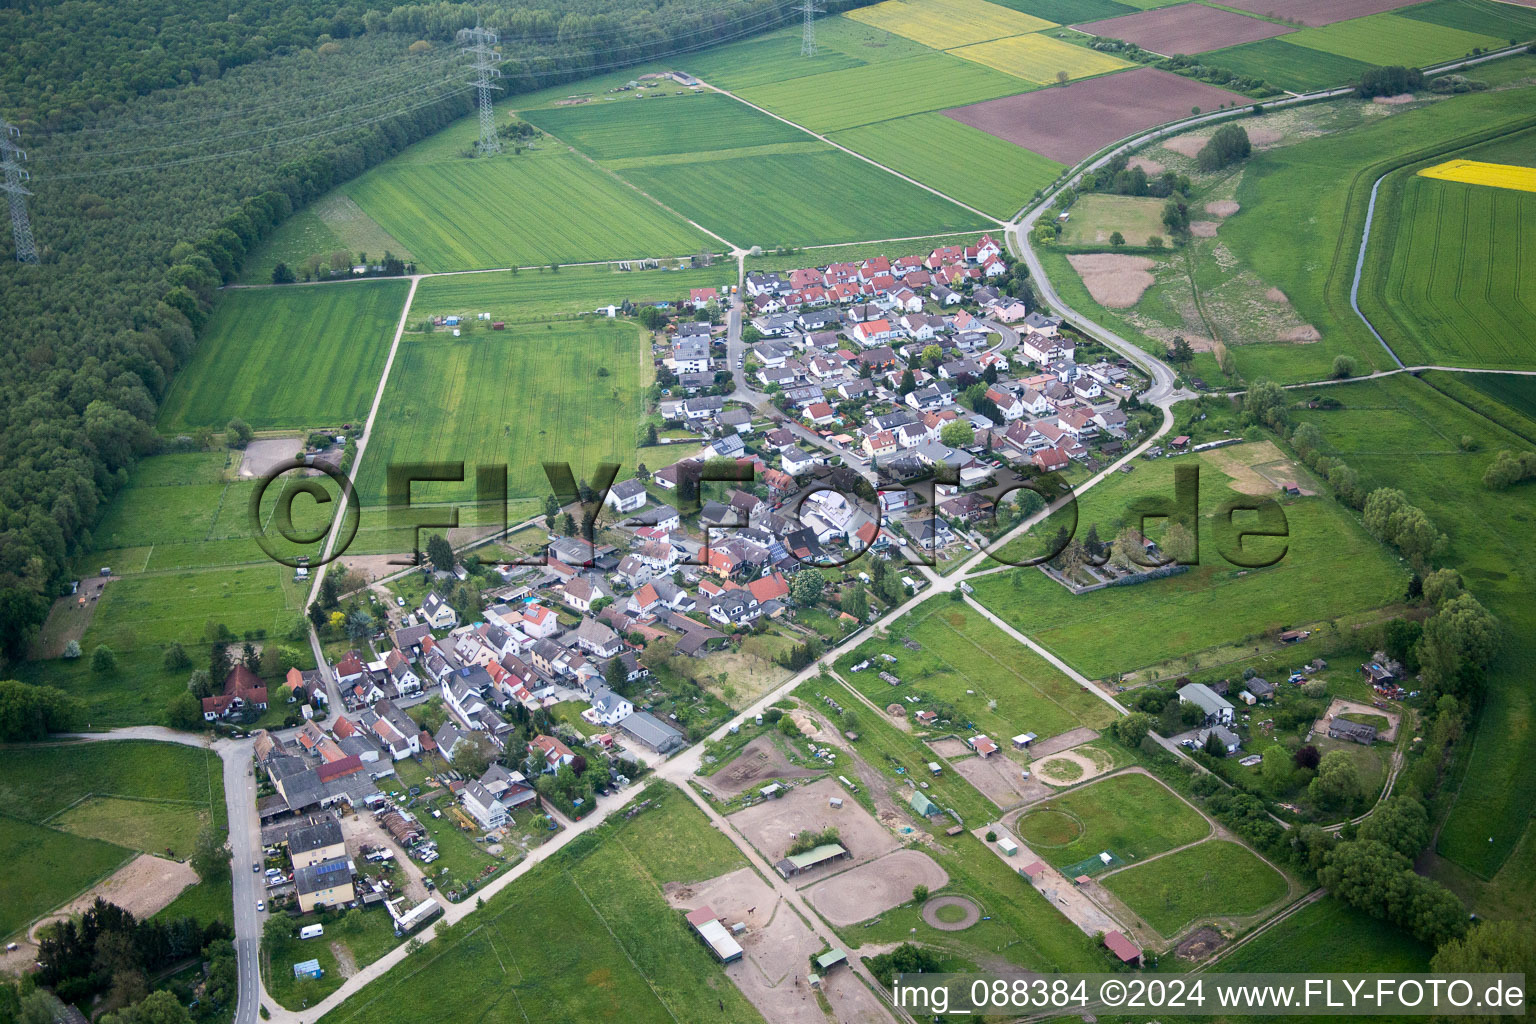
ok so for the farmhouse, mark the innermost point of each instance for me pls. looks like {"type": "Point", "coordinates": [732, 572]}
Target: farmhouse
{"type": "Point", "coordinates": [242, 689]}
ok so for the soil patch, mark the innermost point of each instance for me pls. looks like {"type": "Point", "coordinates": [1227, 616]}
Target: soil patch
{"type": "Point", "coordinates": [1402, 97]}
{"type": "Point", "coordinates": [142, 887]}
{"type": "Point", "coordinates": [1113, 280]}
{"type": "Point", "coordinates": [1065, 741]}
{"type": "Point", "coordinates": [998, 778]}
{"type": "Point", "coordinates": [772, 825]}
{"type": "Point", "coordinates": [346, 963]}
{"type": "Point", "coordinates": [261, 456]}
{"type": "Point", "coordinates": [1147, 164]}
{"type": "Point", "coordinates": [1317, 12]}
{"type": "Point", "coordinates": [1303, 335]}
{"type": "Point", "coordinates": [1222, 208]}
{"type": "Point", "coordinates": [949, 747]}
{"type": "Point", "coordinates": [1186, 28]}
{"type": "Point", "coordinates": [1277, 296]}
{"type": "Point", "coordinates": [68, 619]}
{"type": "Point", "coordinates": [1204, 228]}
{"type": "Point", "coordinates": [871, 889]}
{"type": "Point", "coordinates": [760, 759]}
{"type": "Point", "coordinates": [1340, 706]}
{"type": "Point", "coordinates": [1201, 943]}
{"type": "Point", "coordinates": [1186, 145]}
{"type": "Point", "coordinates": [1070, 122]}
{"type": "Point", "coordinates": [970, 913]}
{"type": "Point", "coordinates": [1240, 461]}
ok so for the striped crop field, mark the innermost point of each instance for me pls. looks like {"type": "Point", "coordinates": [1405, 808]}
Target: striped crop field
{"type": "Point", "coordinates": [543, 206]}
{"type": "Point", "coordinates": [537, 296]}
{"type": "Point", "coordinates": [1392, 39]}
{"type": "Point", "coordinates": [943, 24]}
{"type": "Point", "coordinates": [880, 91]}
{"type": "Point", "coordinates": [1039, 59]}
{"type": "Point", "coordinates": [288, 357]}
{"type": "Point", "coordinates": [1475, 172]}
{"type": "Point", "coordinates": [1282, 64]}
{"type": "Point", "coordinates": [571, 392]}
{"type": "Point", "coordinates": [656, 127]}
{"type": "Point", "coordinates": [775, 57]}
{"type": "Point", "coordinates": [995, 176]}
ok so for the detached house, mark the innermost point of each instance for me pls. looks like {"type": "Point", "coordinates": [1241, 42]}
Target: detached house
{"type": "Point", "coordinates": [626, 496]}
{"type": "Point", "coordinates": [243, 690]}
{"type": "Point", "coordinates": [438, 612]}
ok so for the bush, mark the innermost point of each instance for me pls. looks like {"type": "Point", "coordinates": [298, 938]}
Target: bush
{"type": "Point", "coordinates": [1227, 146]}
{"type": "Point", "coordinates": [103, 660]}
{"type": "Point", "coordinates": [72, 649]}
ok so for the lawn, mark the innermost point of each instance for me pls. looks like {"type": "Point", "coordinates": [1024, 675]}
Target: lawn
{"type": "Point", "coordinates": [944, 24]}
{"type": "Point", "coordinates": [514, 398]}
{"type": "Point", "coordinates": [1132, 816]}
{"type": "Point", "coordinates": [992, 680]}
{"type": "Point", "coordinates": [1215, 879]}
{"type": "Point", "coordinates": [994, 176]}
{"type": "Point", "coordinates": [882, 90]}
{"type": "Point", "coordinates": [47, 868]}
{"type": "Point", "coordinates": [153, 826]}
{"type": "Point", "coordinates": [291, 357]}
{"type": "Point", "coordinates": [586, 936]}
{"type": "Point", "coordinates": [156, 608]}
{"type": "Point", "coordinates": [1401, 432]}
{"type": "Point", "coordinates": [367, 935]}
{"type": "Point", "coordinates": [539, 295]}
{"type": "Point", "coordinates": [1330, 567]}
{"type": "Point", "coordinates": [38, 782]}
{"type": "Point", "coordinates": [1097, 216]}
{"type": "Point", "coordinates": [1392, 39]}
{"type": "Point", "coordinates": [1333, 933]}
{"type": "Point", "coordinates": [1290, 67]}
{"type": "Point", "coordinates": [544, 206]}
{"type": "Point", "coordinates": [1040, 59]}
{"type": "Point", "coordinates": [800, 199]}
{"type": "Point", "coordinates": [682, 124]}
{"type": "Point", "coordinates": [1444, 283]}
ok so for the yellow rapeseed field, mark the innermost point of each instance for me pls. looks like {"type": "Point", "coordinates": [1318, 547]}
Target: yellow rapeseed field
{"type": "Point", "coordinates": [1037, 58]}
{"type": "Point", "coordinates": [943, 24]}
{"type": "Point", "coordinates": [1475, 172]}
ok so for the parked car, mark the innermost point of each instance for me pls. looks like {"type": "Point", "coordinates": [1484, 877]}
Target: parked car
{"type": "Point", "coordinates": [261, 905]}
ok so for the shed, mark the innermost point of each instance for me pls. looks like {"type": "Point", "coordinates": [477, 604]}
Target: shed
{"type": "Point", "coordinates": [707, 923]}
{"type": "Point", "coordinates": [307, 969]}
{"type": "Point", "coordinates": [1007, 845]}
{"type": "Point", "coordinates": [1023, 740]}
{"type": "Point", "coordinates": [920, 803]}
{"type": "Point", "coordinates": [1122, 947]}
{"type": "Point", "coordinates": [830, 959]}
{"type": "Point", "coordinates": [1033, 869]}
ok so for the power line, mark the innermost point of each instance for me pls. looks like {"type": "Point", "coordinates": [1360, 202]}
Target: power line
{"type": "Point", "coordinates": [808, 36]}
{"type": "Point", "coordinates": [15, 192]}
{"type": "Point", "coordinates": [485, 62]}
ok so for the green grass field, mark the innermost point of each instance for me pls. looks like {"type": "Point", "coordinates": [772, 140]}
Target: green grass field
{"type": "Point", "coordinates": [1096, 217]}
{"type": "Point", "coordinates": [962, 651]}
{"type": "Point", "coordinates": [1333, 933]}
{"type": "Point", "coordinates": [656, 127]}
{"type": "Point", "coordinates": [820, 256]}
{"type": "Point", "coordinates": [841, 43]}
{"type": "Point", "coordinates": [330, 223]}
{"type": "Point", "coordinates": [515, 398]}
{"type": "Point", "coordinates": [1331, 567]}
{"type": "Point", "coordinates": [367, 934]}
{"type": "Point", "coordinates": [1401, 432]}
{"type": "Point", "coordinates": [800, 199]}
{"type": "Point", "coordinates": [1291, 67]}
{"type": "Point", "coordinates": [1391, 39]}
{"type": "Point", "coordinates": [1448, 279]}
{"type": "Point", "coordinates": [1502, 21]}
{"type": "Point", "coordinates": [292, 357]}
{"type": "Point", "coordinates": [149, 825]}
{"type": "Point", "coordinates": [38, 782]}
{"type": "Point", "coordinates": [545, 206]}
{"type": "Point", "coordinates": [155, 609]}
{"type": "Point", "coordinates": [994, 176]}
{"type": "Point", "coordinates": [944, 24]}
{"type": "Point", "coordinates": [585, 936]}
{"type": "Point", "coordinates": [1509, 401]}
{"type": "Point", "coordinates": [1132, 816]}
{"type": "Point", "coordinates": [1214, 879]}
{"type": "Point", "coordinates": [537, 296]}
{"type": "Point", "coordinates": [881, 91]}
{"type": "Point", "coordinates": [46, 868]}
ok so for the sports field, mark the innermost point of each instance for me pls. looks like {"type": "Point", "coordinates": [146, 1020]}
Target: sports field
{"type": "Point", "coordinates": [291, 357]}
{"type": "Point", "coordinates": [881, 91]}
{"type": "Point", "coordinates": [1393, 39]}
{"type": "Point", "coordinates": [656, 127]}
{"type": "Point", "coordinates": [800, 199]}
{"type": "Point", "coordinates": [1288, 66]}
{"type": "Point", "coordinates": [1216, 879]}
{"type": "Point", "coordinates": [994, 176]}
{"type": "Point", "coordinates": [586, 936]}
{"type": "Point", "coordinates": [1041, 60]}
{"type": "Point", "coordinates": [988, 677]}
{"type": "Point", "coordinates": [945, 24]}
{"type": "Point", "coordinates": [537, 296]}
{"type": "Point", "coordinates": [569, 392]}
{"type": "Point", "coordinates": [545, 206]}
{"type": "Point", "coordinates": [1130, 815]}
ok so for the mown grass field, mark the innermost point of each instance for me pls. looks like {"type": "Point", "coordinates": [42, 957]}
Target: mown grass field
{"type": "Point", "coordinates": [149, 825]}
{"type": "Point", "coordinates": [515, 398]}
{"type": "Point", "coordinates": [330, 223]}
{"type": "Point", "coordinates": [537, 296]}
{"type": "Point", "coordinates": [1039, 59]}
{"type": "Point", "coordinates": [1392, 39]}
{"type": "Point", "coordinates": [46, 868]}
{"type": "Point", "coordinates": [1333, 933]}
{"type": "Point", "coordinates": [960, 652]}
{"type": "Point", "coordinates": [841, 43]}
{"type": "Point", "coordinates": [674, 124]}
{"type": "Point", "coordinates": [944, 24]}
{"type": "Point", "coordinates": [289, 357]}
{"type": "Point", "coordinates": [1282, 64]}
{"type": "Point", "coordinates": [821, 256]}
{"type": "Point", "coordinates": [1213, 879]}
{"type": "Point", "coordinates": [800, 199]}
{"type": "Point", "coordinates": [880, 91]}
{"type": "Point", "coordinates": [994, 176]}
{"type": "Point", "coordinates": [1133, 816]}
{"type": "Point", "coordinates": [1401, 432]}
{"type": "Point", "coordinates": [1330, 567]}
{"type": "Point", "coordinates": [585, 936]}
{"type": "Point", "coordinates": [1096, 217]}
{"type": "Point", "coordinates": [545, 206]}
{"type": "Point", "coordinates": [1449, 279]}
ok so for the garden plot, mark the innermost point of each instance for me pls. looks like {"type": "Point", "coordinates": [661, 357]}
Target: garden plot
{"type": "Point", "coordinates": [871, 889]}
{"type": "Point", "coordinates": [772, 825]}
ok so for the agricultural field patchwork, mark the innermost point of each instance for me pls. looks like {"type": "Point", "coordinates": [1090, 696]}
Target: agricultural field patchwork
{"type": "Point", "coordinates": [1392, 39]}
{"type": "Point", "coordinates": [1285, 65]}
{"type": "Point", "coordinates": [292, 357]}
{"type": "Point", "coordinates": [1317, 12]}
{"type": "Point", "coordinates": [995, 176]}
{"type": "Point", "coordinates": [656, 127]}
{"type": "Point", "coordinates": [945, 24]}
{"type": "Point", "coordinates": [1506, 22]}
{"type": "Point", "coordinates": [1477, 172]}
{"type": "Point", "coordinates": [1185, 28]}
{"type": "Point", "coordinates": [1040, 59]}
{"type": "Point", "coordinates": [841, 43]}
{"type": "Point", "coordinates": [541, 295]}
{"type": "Point", "coordinates": [1064, 12]}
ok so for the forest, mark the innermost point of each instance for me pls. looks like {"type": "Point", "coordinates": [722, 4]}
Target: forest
{"type": "Point", "coordinates": [165, 141]}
